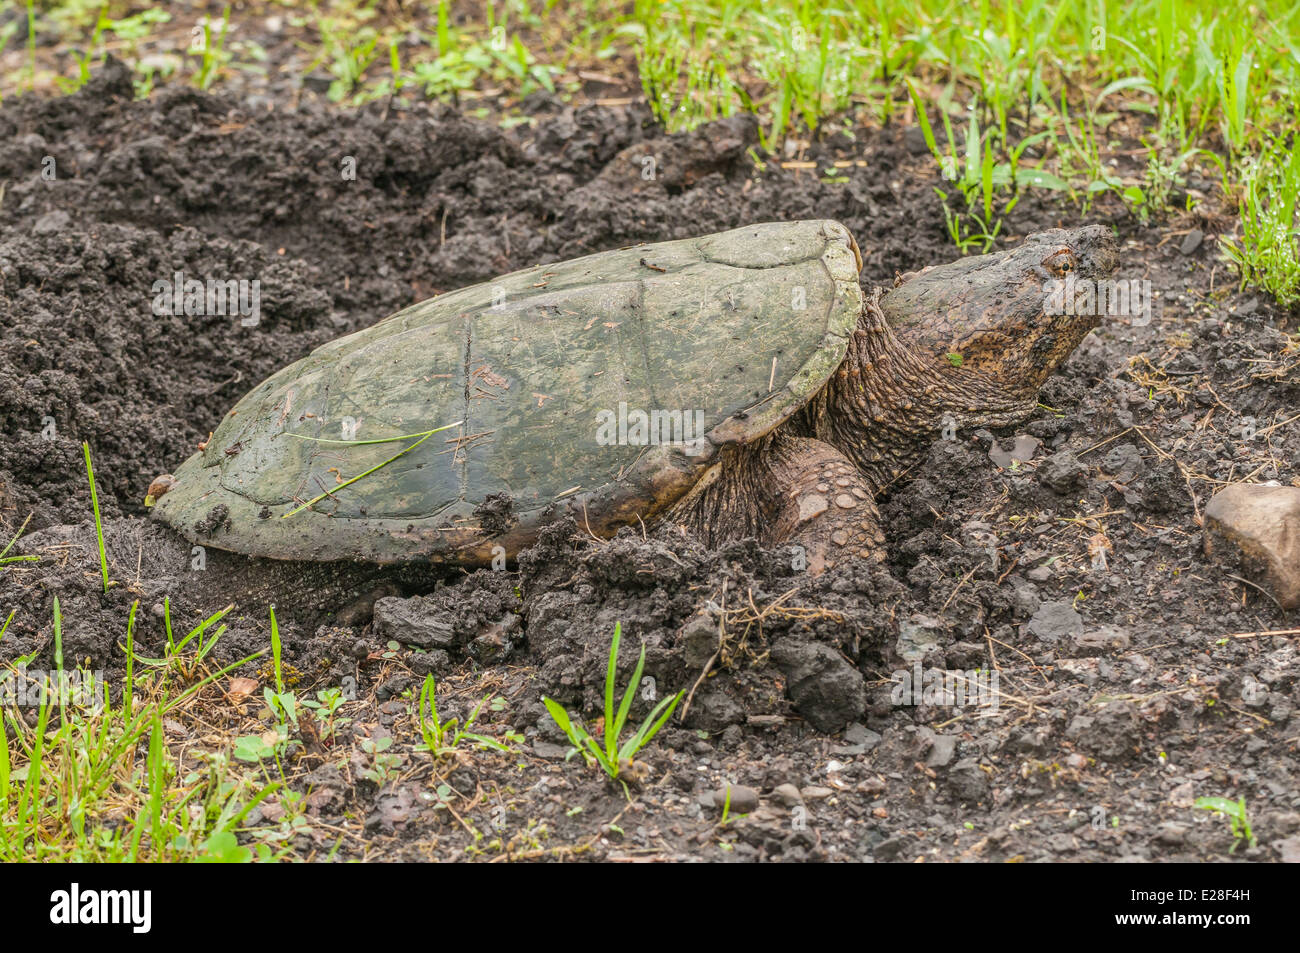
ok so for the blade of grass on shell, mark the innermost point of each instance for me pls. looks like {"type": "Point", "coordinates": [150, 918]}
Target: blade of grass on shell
{"type": "Point", "coordinates": [316, 499]}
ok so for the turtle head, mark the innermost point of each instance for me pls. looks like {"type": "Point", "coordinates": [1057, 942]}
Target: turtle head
{"type": "Point", "coordinates": [991, 320]}
{"type": "Point", "coordinates": [968, 343]}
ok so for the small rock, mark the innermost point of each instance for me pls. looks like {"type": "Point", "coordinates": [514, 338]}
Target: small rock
{"type": "Point", "coordinates": [715, 709]}
{"type": "Point", "coordinates": [743, 800]}
{"type": "Point", "coordinates": [1108, 638]}
{"type": "Point", "coordinates": [318, 81]}
{"type": "Point", "coordinates": [1023, 451]}
{"type": "Point", "coordinates": [1289, 849]}
{"type": "Point", "coordinates": [412, 622]}
{"type": "Point", "coordinates": [872, 785]}
{"type": "Point", "coordinates": [859, 734]}
{"type": "Point", "coordinates": [1256, 528]}
{"type": "Point", "coordinates": [914, 139]}
{"type": "Point", "coordinates": [815, 793]}
{"type": "Point", "coordinates": [1191, 241]}
{"type": "Point", "coordinates": [1062, 472]}
{"type": "Point", "coordinates": [966, 655]}
{"type": "Point", "coordinates": [917, 637]}
{"type": "Point", "coordinates": [51, 222]}
{"type": "Point", "coordinates": [1054, 621]}
{"type": "Point", "coordinates": [1026, 598]}
{"type": "Point", "coordinates": [699, 640]}
{"type": "Point", "coordinates": [942, 751]}
{"type": "Point", "coordinates": [1125, 462]}
{"type": "Point", "coordinates": [891, 847]}
{"type": "Point", "coordinates": [393, 686]}
{"type": "Point", "coordinates": [1171, 833]}
{"type": "Point", "coordinates": [1040, 573]}
{"type": "Point", "coordinates": [825, 688]}
{"type": "Point", "coordinates": [434, 662]}
{"type": "Point", "coordinates": [494, 642]}
{"type": "Point", "coordinates": [1031, 741]}
{"type": "Point", "coordinates": [967, 781]}
{"type": "Point", "coordinates": [549, 752]}
{"type": "Point", "coordinates": [787, 794]}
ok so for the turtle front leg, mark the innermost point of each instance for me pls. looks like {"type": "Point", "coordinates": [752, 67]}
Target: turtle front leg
{"type": "Point", "coordinates": [822, 504]}
{"type": "Point", "coordinates": [787, 489]}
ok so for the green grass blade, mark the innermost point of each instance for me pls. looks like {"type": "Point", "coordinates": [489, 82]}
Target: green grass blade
{"type": "Point", "coordinates": [94, 504]}
{"type": "Point", "coordinates": [611, 674]}
{"type": "Point", "coordinates": [628, 696]}
{"type": "Point", "coordinates": [379, 466]}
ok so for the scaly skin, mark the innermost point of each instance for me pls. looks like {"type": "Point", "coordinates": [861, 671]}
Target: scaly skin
{"type": "Point", "coordinates": [967, 344]}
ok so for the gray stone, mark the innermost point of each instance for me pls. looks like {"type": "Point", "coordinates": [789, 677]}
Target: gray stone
{"type": "Point", "coordinates": [715, 709]}
{"type": "Point", "coordinates": [787, 794]}
{"type": "Point", "coordinates": [744, 800]}
{"type": "Point", "coordinates": [1288, 849]}
{"type": "Point", "coordinates": [1107, 638]}
{"type": "Point", "coordinates": [859, 734]}
{"type": "Point", "coordinates": [1022, 452]}
{"type": "Point", "coordinates": [1054, 621]}
{"type": "Point", "coordinates": [434, 662]}
{"type": "Point", "coordinates": [967, 781]}
{"type": "Point", "coordinates": [1062, 472]}
{"type": "Point", "coordinates": [1171, 833]}
{"type": "Point", "coordinates": [412, 622]}
{"type": "Point", "coordinates": [1124, 462]}
{"type": "Point", "coordinates": [942, 749]}
{"type": "Point", "coordinates": [1027, 599]}
{"type": "Point", "coordinates": [699, 640]}
{"type": "Point", "coordinates": [824, 687]}
{"type": "Point", "coordinates": [52, 222]}
{"type": "Point", "coordinates": [917, 637]}
{"type": "Point", "coordinates": [549, 752]}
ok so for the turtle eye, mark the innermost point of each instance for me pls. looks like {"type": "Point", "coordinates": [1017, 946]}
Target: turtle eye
{"type": "Point", "coordinates": [1061, 262]}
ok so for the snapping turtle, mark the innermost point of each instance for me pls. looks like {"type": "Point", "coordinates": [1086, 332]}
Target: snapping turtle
{"type": "Point", "coordinates": [739, 384]}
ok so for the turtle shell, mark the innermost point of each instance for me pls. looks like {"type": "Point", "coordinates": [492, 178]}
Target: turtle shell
{"type": "Point", "coordinates": [607, 385]}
